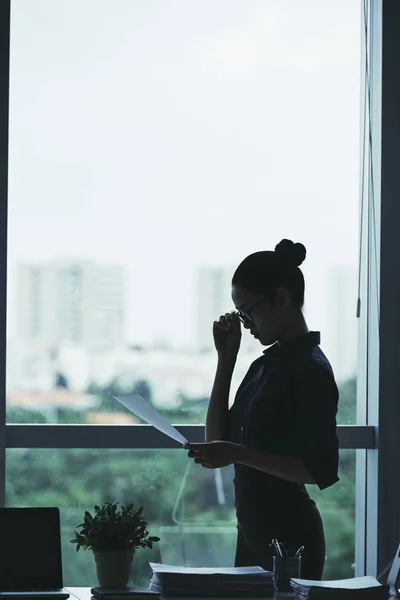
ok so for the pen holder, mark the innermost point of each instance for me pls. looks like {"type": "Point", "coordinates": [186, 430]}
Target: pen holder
{"type": "Point", "coordinates": [284, 568]}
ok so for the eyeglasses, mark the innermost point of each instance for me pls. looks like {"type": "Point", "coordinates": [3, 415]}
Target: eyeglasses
{"type": "Point", "coordinates": [245, 315]}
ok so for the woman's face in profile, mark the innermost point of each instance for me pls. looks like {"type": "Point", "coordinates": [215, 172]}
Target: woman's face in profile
{"type": "Point", "coordinates": [258, 315]}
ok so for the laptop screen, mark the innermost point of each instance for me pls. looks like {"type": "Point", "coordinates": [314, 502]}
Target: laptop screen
{"type": "Point", "coordinates": [30, 549]}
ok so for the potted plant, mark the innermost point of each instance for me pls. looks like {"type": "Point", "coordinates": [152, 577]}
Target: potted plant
{"type": "Point", "coordinates": [113, 534]}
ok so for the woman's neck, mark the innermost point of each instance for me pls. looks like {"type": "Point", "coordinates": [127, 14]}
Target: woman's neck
{"type": "Point", "coordinates": [297, 326]}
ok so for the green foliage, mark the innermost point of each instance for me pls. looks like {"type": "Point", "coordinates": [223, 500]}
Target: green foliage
{"type": "Point", "coordinates": [143, 388]}
{"type": "Point", "coordinates": [24, 415]}
{"type": "Point", "coordinates": [113, 528]}
{"type": "Point", "coordinates": [347, 413]}
{"type": "Point", "coordinates": [337, 507]}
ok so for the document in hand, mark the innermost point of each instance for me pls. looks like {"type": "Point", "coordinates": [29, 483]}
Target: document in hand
{"type": "Point", "coordinates": [234, 582]}
{"type": "Point", "coordinates": [142, 409]}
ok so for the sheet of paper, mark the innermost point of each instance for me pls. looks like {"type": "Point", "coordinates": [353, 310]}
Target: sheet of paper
{"type": "Point", "coordinates": [355, 583]}
{"type": "Point", "coordinates": [145, 411]}
{"type": "Point", "coordinates": [163, 568]}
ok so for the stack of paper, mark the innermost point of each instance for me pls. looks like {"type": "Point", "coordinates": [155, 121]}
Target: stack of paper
{"type": "Point", "coordinates": [364, 588]}
{"type": "Point", "coordinates": [212, 581]}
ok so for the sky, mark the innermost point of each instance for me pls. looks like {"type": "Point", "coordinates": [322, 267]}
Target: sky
{"type": "Point", "coordinates": [169, 135]}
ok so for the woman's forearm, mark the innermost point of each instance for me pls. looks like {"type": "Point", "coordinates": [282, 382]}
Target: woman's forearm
{"type": "Point", "coordinates": [286, 467]}
{"type": "Point", "coordinates": [217, 413]}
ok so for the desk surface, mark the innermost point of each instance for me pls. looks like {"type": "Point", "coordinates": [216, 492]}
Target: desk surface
{"type": "Point", "coordinates": [80, 593]}
{"type": "Point", "coordinates": [83, 593]}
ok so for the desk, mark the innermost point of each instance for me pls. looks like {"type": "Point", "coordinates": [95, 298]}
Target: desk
{"type": "Point", "coordinates": [83, 593]}
{"type": "Point", "coordinates": [80, 593]}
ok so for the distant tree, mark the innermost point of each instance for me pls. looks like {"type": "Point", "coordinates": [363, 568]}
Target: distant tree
{"type": "Point", "coordinates": [24, 415]}
{"type": "Point", "coordinates": [93, 389]}
{"type": "Point", "coordinates": [143, 388]}
{"type": "Point", "coordinates": [113, 388]}
{"type": "Point", "coordinates": [61, 381]}
{"type": "Point", "coordinates": [69, 415]}
{"type": "Point", "coordinates": [347, 412]}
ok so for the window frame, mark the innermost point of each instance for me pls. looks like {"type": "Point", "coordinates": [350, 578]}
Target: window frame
{"type": "Point", "coordinates": [377, 489]}
{"type": "Point", "coordinates": [139, 436]}
{"type": "Point", "coordinates": [4, 105]}
{"type": "Point", "coordinates": [368, 342]}
{"type": "Point", "coordinates": [382, 489]}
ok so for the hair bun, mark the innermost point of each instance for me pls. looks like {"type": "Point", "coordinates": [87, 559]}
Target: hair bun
{"type": "Point", "coordinates": [290, 253]}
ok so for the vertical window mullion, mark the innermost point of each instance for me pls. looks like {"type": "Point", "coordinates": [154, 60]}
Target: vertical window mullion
{"type": "Point", "coordinates": [4, 104]}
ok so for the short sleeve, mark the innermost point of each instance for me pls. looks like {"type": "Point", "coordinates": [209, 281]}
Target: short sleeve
{"type": "Point", "coordinates": [316, 402]}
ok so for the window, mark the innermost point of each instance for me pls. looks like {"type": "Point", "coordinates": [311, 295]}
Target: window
{"type": "Point", "coordinates": [147, 158]}
{"type": "Point", "coordinates": [171, 140]}
{"type": "Point", "coordinates": [190, 508]}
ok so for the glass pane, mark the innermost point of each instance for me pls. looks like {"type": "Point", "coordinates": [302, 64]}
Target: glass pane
{"type": "Point", "coordinates": [190, 508]}
{"type": "Point", "coordinates": [153, 145]}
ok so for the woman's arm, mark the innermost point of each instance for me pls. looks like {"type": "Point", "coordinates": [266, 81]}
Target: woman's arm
{"type": "Point", "coordinates": [217, 413]}
{"type": "Point", "coordinates": [285, 467]}
{"type": "Point", "coordinates": [221, 454]}
{"type": "Point", "coordinates": [227, 336]}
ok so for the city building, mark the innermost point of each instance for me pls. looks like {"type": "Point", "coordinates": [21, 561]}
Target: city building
{"type": "Point", "coordinates": [341, 335]}
{"type": "Point", "coordinates": [71, 303]}
{"type": "Point", "coordinates": [213, 300]}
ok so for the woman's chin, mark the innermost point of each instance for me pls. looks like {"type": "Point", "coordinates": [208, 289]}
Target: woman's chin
{"type": "Point", "coordinates": [264, 341]}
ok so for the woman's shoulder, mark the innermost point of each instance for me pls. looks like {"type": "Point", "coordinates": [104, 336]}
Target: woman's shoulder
{"type": "Point", "coordinates": [255, 366]}
{"type": "Point", "coordinates": [315, 365]}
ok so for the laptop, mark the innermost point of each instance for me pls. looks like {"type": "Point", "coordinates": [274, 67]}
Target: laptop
{"type": "Point", "coordinates": [30, 554]}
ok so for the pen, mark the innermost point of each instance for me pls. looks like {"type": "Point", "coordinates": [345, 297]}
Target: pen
{"type": "Point", "coordinates": [299, 551]}
{"type": "Point", "coordinates": [277, 547]}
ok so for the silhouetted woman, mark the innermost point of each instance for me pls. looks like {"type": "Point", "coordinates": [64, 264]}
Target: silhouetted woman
{"type": "Point", "coordinates": [280, 433]}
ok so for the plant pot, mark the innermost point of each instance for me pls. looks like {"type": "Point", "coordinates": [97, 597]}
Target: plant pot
{"type": "Point", "coordinates": [114, 568]}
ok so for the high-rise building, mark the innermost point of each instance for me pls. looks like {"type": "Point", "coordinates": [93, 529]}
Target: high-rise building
{"type": "Point", "coordinates": [341, 336]}
{"type": "Point", "coordinates": [71, 303]}
{"type": "Point", "coordinates": [213, 300]}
